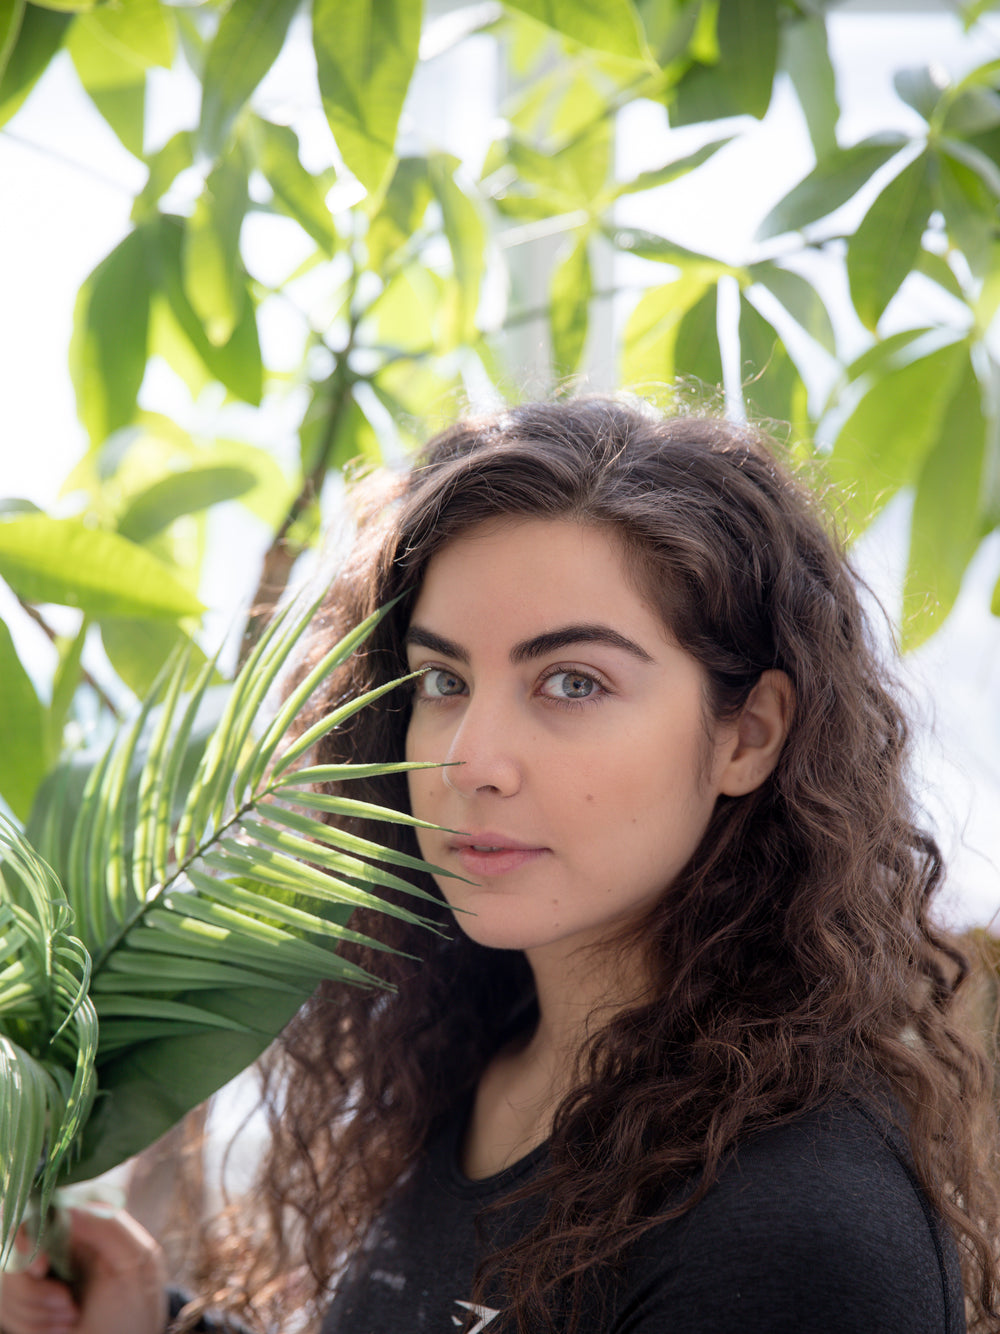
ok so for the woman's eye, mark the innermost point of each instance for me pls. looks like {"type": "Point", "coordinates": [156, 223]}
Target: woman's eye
{"type": "Point", "coordinates": [439, 683]}
{"type": "Point", "coordinates": [570, 685]}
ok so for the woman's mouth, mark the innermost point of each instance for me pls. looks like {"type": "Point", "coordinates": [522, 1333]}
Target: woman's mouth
{"type": "Point", "coordinates": [485, 855]}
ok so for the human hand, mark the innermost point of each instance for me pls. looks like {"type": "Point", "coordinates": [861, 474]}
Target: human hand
{"type": "Point", "coordinates": [122, 1288]}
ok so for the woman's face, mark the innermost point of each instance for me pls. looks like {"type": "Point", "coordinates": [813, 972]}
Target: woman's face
{"type": "Point", "coordinates": [584, 771]}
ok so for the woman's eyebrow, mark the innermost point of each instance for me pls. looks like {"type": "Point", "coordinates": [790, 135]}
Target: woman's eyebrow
{"type": "Point", "coordinates": [536, 647]}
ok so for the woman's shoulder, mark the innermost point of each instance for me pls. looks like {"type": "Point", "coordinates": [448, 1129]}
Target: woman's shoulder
{"type": "Point", "coordinates": [818, 1224]}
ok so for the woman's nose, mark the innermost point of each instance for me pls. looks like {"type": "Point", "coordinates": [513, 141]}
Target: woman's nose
{"type": "Point", "coordinates": [481, 757]}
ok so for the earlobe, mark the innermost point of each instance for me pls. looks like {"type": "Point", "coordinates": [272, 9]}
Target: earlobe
{"type": "Point", "coordinates": [760, 735]}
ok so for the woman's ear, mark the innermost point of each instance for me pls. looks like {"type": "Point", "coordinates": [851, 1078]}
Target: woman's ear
{"type": "Point", "coordinates": [760, 732]}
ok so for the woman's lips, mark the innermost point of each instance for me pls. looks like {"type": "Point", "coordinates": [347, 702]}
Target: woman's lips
{"type": "Point", "coordinates": [487, 855]}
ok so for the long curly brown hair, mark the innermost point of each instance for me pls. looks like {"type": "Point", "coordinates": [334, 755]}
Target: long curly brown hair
{"type": "Point", "coordinates": [794, 958]}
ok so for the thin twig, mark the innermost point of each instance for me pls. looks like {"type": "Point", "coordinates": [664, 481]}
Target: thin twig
{"type": "Point", "coordinates": [86, 677]}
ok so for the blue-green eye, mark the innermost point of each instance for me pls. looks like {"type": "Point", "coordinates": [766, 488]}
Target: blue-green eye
{"type": "Point", "coordinates": [570, 685]}
{"type": "Point", "coordinates": [439, 683]}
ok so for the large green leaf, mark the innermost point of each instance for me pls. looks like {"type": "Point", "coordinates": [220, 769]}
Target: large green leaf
{"type": "Point", "coordinates": [463, 226]}
{"type": "Point", "coordinates": [296, 191]}
{"type": "Point", "coordinates": [697, 354]}
{"type": "Point", "coordinates": [25, 754]}
{"type": "Point", "coordinates": [215, 282]}
{"type": "Point", "coordinates": [244, 48]}
{"type": "Point", "coordinates": [945, 532]}
{"type": "Point", "coordinates": [108, 349]}
{"type": "Point", "coordinates": [800, 299]}
{"type": "Point", "coordinates": [741, 80]}
{"type": "Point", "coordinates": [806, 56]}
{"type": "Point", "coordinates": [11, 15]}
{"type": "Point", "coordinates": [366, 51]}
{"type": "Point", "coordinates": [885, 246]}
{"type": "Point", "coordinates": [113, 78]}
{"type": "Point", "coordinates": [165, 165]}
{"type": "Point", "coordinates": [195, 488]}
{"type": "Point", "coordinates": [650, 335]}
{"type": "Point", "coordinates": [569, 306]}
{"type": "Point", "coordinates": [237, 363]}
{"type": "Point", "coordinates": [137, 650]}
{"type": "Point", "coordinates": [834, 180]}
{"type": "Point", "coordinates": [882, 444]}
{"type": "Point", "coordinates": [64, 560]}
{"type": "Point", "coordinates": [38, 39]}
{"type": "Point", "coordinates": [771, 384]}
{"type": "Point", "coordinates": [605, 25]}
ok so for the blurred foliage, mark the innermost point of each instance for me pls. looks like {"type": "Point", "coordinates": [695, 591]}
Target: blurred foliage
{"type": "Point", "coordinates": [414, 274]}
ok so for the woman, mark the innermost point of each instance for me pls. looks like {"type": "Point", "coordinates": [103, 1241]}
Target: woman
{"type": "Point", "coordinates": [690, 1060]}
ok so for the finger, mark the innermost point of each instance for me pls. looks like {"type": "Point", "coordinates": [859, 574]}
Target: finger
{"type": "Point", "coordinates": [114, 1238]}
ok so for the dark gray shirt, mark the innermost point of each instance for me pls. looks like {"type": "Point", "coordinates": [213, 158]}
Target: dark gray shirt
{"type": "Point", "coordinates": [815, 1227]}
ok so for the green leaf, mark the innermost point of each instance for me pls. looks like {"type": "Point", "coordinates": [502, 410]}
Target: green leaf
{"type": "Point", "coordinates": [696, 343]}
{"type": "Point", "coordinates": [885, 246]}
{"type": "Point", "coordinates": [214, 277]}
{"type": "Point", "coordinates": [944, 532]}
{"type": "Point", "coordinates": [38, 39]}
{"type": "Point", "coordinates": [603, 25]}
{"type": "Point", "coordinates": [187, 492]}
{"type": "Point", "coordinates": [64, 684]}
{"type": "Point", "coordinates": [806, 56]}
{"type": "Point", "coordinates": [142, 30]}
{"type": "Point", "coordinates": [772, 386]}
{"type": "Point", "coordinates": [401, 211]}
{"type": "Point", "coordinates": [137, 650]}
{"type": "Point", "coordinates": [937, 268]}
{"type": "Point", "coordinates": [25, 753]}
{"type": "Point", "coordinates": [466, 235]}
{"type": "Point", "coordinates": [245, 46]}
{"type": "Point", "coordinates": [800, 299]}
{"type": "Point", "coordinates": [296, 191]}
{"type": "Point", "coordinates": [63, 560]}
{"type": "Point", "coordinates": [650, 336]}
{"type": "Point", "coordinates": [921, 88]}
{"type": "Point", "coordinates": [115, 83]}
{"type": "Point", "coordinates": [648, 245]}
{"type": "Point", "coordinates": [366, 51]}
{"type": "Point", "coordinates": [834, 180]}
{"type": "Point", "coordinates": [569, 306]}
{"type": "Point", "coordinates": [671, 171]}
{"type": "Point", "coordinates": [110, 328]}
{"type": "Point", "coordinates": [968, 210]}
{"type": "Point", "coordinates": [884, 441]}
{"type": "Point", "coordinates": [740, 82]}
{"type": "Point", "coordinates": [165, 165]}
{"type": "Point", "coordinates": [237, 363]}
{"type": "Point", "coordinates": [11, 16]}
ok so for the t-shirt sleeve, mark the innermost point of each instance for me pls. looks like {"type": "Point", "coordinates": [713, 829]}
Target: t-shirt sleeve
{"type": "Point", "coordinates": [809, 1231]}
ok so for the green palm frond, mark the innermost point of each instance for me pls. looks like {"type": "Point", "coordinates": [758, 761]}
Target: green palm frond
{"type": "Point", "coordinates": [204, 913]}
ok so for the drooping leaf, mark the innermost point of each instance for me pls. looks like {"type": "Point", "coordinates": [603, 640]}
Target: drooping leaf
{"type": "Point", "coordinates": [651, 330]}
{"type": "Point", "coordinates": [63, 560]}
{"type": "Point", "coordinates": [215, 281]}
{"type": "Point", "coordinates": [296, 191]}
{"type": "Point", "coordinates": [772, 386]}
{"type": "Point", "coordinates": [611, 25]}
{"type": "Point", "coordinates": [11, 15]}
{"type": "Point", "coordinates": [672, 171]}
{"type": "Point", "coordinates": [740, 82]}
{"type": "Point", "coordinates": [834, 180]}
{"type": "Point", "coordinates": [39, 36]}
{"type": "Point", "coordinates": [115, 83]}
{"type": "Point", "coordinates": [245, 46]}
{"type": "Point", "coordinates": [882, 444]}
{"type": "Point", "coordinates": [110, 329]}
{"type": "Point", "coordinates": [805, 54]}
{"type": "Point", "coordinates": [463, 226]}
{"type": "Point", "coordinates": [800, 298]}
{"type": "Point", "coordinates": [697, 353]}
{"type": "Point", "coordinates": [237, 363]}
{"type": "Point", "coordinates": [885, 246]}
{"type": "Point", "coordinates": [569, 306]}
{"type": "Point", "coordinates": [366, 51]}
{"type": "Point", "coordinates": [25, 754]}
{"type": "Point", "coordinates": [186, 492]}
{"type": "Point", "coordinates": [944, 532]}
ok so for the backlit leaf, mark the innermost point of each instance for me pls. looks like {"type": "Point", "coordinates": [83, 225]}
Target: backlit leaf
{"type": "Point", "coordinates": [944, 532]}
{"type": "Point", "coordinates": [605, 25]}
{"type": "Point", "coordinates": [651, 330]}
{"type": "Point", "coordinates": [187, 492]}
{"type": "Point", "coordinates": [740, 82]}
{"type": "Point", "coordinates": [108, 350]}
{"type": "Point", "coordinates": [25, 754]}
{"type": "Point", "coordinates": [696, 342]}
{"type": "Point", "coordinates": [245, 46]}
{"type": "Point", "coordinates": [38, 39]}
{"type": "Point", "coordinates": [214, 277]}
{"type": "Point", "coordinates": [113, 77]}
{"type": "Point", "coordinates": [11, 14]}
{"type": "Point", "coordinates": [569, 305]}
{"type": "Point", "coordinates": [772, 386]}
{"type": "Point", "coordinates": [63, 560]}
{"type": "Point", "coordinates": [802, 301]}
{"type": "Point", "coordinates": [885, 246]}
{"type": "Point", "coordinates": [296, 191]}
{"type": "Point", "coordinates": [806, 56]}
{"type": "Point", "coordinates": [834, 180]}
{"type": "Point", "coordinates": [366, 51]}
{"type": "Point", "coordinates": [466, 235]}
